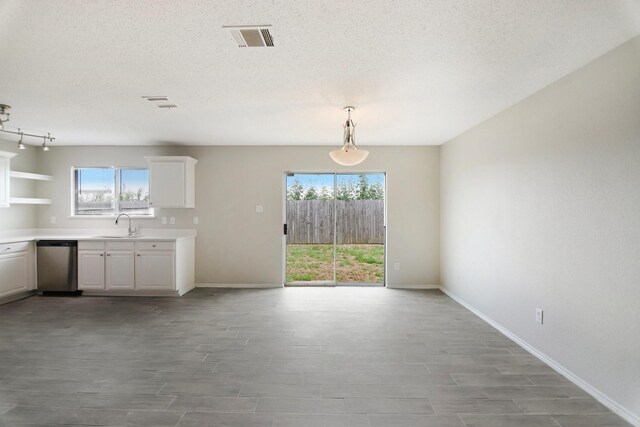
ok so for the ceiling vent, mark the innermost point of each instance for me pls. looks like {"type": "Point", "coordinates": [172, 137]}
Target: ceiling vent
{"type": "Point", "coordinates": [156, 98]}
{"type": "Point", "coordinates": [160, 101]}
{"type": "Point", "coordinates": [251, 35]}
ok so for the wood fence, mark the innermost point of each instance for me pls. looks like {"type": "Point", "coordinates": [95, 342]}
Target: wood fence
{"type": "Point", "coordinates": [358, 221]}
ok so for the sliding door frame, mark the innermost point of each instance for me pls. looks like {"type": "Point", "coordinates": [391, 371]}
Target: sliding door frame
{"type": "Point", "coordinates": [335, 178]}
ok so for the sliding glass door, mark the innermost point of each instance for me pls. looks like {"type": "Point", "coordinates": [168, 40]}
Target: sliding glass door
{"type": "Point", "coordinates": [360, 229]}
{"type": "Point", "coordinates": [335, 229]}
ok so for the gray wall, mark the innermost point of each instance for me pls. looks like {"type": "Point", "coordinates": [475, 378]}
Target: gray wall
{"type": "Point", "coordinates": [235, 245]}
{"type": "Point", "coordinates": [20, 216]}
{"type": "Point", "coordinates": [541, 208]}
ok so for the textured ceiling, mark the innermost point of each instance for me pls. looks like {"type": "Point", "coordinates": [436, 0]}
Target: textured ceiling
{"type": "Point", "coordinates": [419, 72]}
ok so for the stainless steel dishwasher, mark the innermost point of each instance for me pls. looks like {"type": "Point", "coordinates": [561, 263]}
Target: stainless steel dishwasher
{"type": "Point", "coordinates": [57, 266]}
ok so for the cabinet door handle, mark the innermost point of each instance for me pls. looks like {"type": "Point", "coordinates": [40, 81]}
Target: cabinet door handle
{"type": "Point", "coordinates": [7, 249]}
{"type": "Point", "coordinates": [153, 246]}
{"type": "Point", "coordinates": [101, 254]}
{"type": "Point", "coordinates": [108, 254]}
{"type": "Point", "coordinates": [137, 254]}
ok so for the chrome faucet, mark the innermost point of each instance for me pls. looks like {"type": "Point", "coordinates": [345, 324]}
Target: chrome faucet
{"type": "Point", "coordinates": [132, 230]}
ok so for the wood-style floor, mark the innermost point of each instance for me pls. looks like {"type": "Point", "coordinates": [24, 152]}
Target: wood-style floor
{"type": "Point", "coordinates": [276, 357]}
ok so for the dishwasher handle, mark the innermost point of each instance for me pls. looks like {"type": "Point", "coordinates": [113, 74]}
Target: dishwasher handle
{"type": "Point", "coordinates": [58, 243]}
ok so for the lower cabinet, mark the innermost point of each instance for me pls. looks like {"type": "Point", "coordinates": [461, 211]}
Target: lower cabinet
{"type": "Point", "coordinates": [90, 269]}
{"type": "Point", "coordinates": [14, 268]}
{"type": "Point", "coordinates": [126, 266]}
{"type": "Point", "coordinates": [120, 269]}
{"type": "Point", "coordinates": [155, 270]}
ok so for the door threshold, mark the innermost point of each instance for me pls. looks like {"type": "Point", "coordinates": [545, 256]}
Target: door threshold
{"type": "Point", "coordinates": [361, 284]}
{"type": "Point", "coordinates": [312, 283]}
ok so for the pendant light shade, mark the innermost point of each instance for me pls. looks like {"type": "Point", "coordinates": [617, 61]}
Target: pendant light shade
{"type": "Point", "coordinates": [349, 158]}
{"type": "Point", "coordinates": [349, 154]}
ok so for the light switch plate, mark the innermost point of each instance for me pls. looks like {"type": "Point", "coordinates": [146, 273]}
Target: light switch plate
{"type": "Point", "coordinates": [396, 266]}
{"type": "Point", "coordinates": [539, 315]}
{"type": "Point", "coordinates": [164, 220]}
{"type": "Point", "coordinates": [259, 208]}
{"type": "Point", "coordinates": [196, 221]}
{"type": "Point", "coordinates": [53, 220]}
{"type": "Point", "coordinates": [172, 220]}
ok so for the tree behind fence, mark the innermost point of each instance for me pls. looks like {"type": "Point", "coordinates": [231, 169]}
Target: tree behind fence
{"type": "Point", "coordinates": [359, 221]}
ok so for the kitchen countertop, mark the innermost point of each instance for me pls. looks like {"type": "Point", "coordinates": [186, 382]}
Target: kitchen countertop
{"type": "Point", "coordinates": [114, 234]}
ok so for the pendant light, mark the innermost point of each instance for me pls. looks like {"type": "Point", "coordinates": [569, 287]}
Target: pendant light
{"type": "Point", "coordinates": [349, 155]}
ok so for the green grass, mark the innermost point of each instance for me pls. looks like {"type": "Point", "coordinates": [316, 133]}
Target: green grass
{"type": "Point", "coordinates": [355, 263]}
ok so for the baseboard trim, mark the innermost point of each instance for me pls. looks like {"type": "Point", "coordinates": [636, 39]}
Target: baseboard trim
{"type": "Point", "coordinates": [278, 285]}
{"type": "Point", "coordinates": [413, 286]}
{"type": "Point", "coordinates": [240, 285]}
{"type": "Point", "coordinates": [595, 393]}
{"type": "Point", "coordinates": [159, 294]}
{"type": "Point", "coordinates": [17, 296]}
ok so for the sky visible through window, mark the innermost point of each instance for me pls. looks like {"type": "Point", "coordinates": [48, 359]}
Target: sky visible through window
{"type": "Point", "coordinates": [319, 180]}
{"type": "Point", "coordinates": [96, 179]}
{"type": "Point", "coordinates": [136, 178]}
{"type": "Point", "coordinates": [101, 178]}
{"type": "Point", "coordinates": [97, 194]}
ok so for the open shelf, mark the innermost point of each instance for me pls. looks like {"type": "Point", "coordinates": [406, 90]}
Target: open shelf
{"type": "Point", "coordinates": [28, 175]}
{"type": "Point", "coordinates": [29, 201]}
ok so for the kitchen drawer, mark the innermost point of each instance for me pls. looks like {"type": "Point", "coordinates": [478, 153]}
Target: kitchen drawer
{"type": "Point", "coordinates": [119, 246]}
{"type": "Point", "coordinates": [91, 245]}
{"type": "Point", "coordinates": [9, 248]}
{"type": "Point", "coordinates": [155, 246]}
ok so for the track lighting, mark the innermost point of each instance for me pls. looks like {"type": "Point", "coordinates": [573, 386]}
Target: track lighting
{"type": "Point", "coordinates": [45, 147]}
{"type": "Point", "coordinates": [21, 145]}
{"type": "Point", "coordinates": [5, 112]}
{"type": "Point", "coordinates": [4, 117]}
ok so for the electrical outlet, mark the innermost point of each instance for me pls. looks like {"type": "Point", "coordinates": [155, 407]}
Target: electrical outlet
{"type": "Point", "coordinates": [53, 220]}
{"type": "Point", "coordinates": [539, 316]}
{"type": "Point", "coordinates": [396, 266]}
{"type": "Point", "coordinates": [172, 220]}
{"type": "Point", "coordinates": [196, 221]}
{"type": "Point", "coordinates": [164, 220]}
{"type": "Point", "coordinates": [259, 208]}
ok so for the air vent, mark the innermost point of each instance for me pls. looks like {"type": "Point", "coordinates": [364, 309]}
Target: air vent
{"type": "Point", "coordinates": [156, 98]}
{"type": "Point", "coordinates": [251, 35]}
{"type": "Point", "coordinates": [160, 101]}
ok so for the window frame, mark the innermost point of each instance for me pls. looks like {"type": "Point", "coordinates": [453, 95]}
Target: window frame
{"type": "Point", "coordinates": [116, 171]}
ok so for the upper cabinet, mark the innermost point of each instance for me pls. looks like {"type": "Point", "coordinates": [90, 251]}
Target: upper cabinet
{"type": "Point", "coordinates": [5, 178]}
{"type": "Point", "coordinates": [172, 181]}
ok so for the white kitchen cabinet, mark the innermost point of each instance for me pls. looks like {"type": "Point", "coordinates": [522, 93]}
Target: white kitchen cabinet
{"type": "Point", "coordinates": [5, 178]}
{"type": "Point", "coordinates": [171, 181]}
{"type": "Point", "coordinates": [145, 267]}
{"type": "Point", "coordinates": [91, 269]}
{"type": "Point", "coordinates": [106, 265]}
{"type": "Point", "coordinates": [155, 270]}
{"type": "Point", "coordinates": [120, 270]}
{"type": "Point", "coordinates": [14, 268]}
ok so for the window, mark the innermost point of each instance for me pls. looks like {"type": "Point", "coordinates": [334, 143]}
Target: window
{"type": "Point", "coordinates": [110, 191]}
